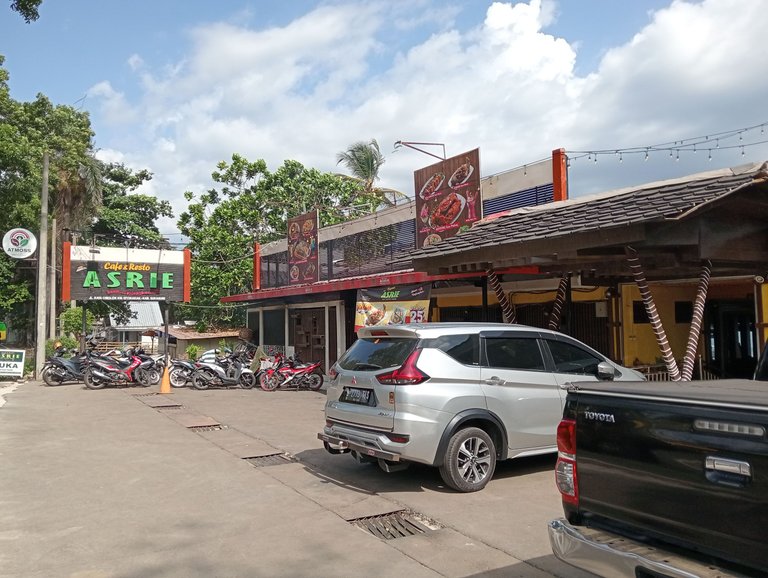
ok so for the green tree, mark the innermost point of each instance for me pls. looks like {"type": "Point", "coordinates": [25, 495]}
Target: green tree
{"type": "Point", "coordinates": [72, 321]}
{"type": "Point", "coordinates": [27, 8]}
{"type": "Point", "coordinates": [364, 160]}
{"type": "Point", "coordinates": [253, 204]}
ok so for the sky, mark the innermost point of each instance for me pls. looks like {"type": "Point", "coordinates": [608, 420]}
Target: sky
{"type": "Point", "coordinates": [177, 86]}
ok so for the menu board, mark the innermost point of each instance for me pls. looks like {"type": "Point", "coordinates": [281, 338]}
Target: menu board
{"type": "Point", "coordinates": [447, 197]}
{"type": "Point", "coordinates": [302, 249]}
{"type": "Point", "coordinates": [395, 305]}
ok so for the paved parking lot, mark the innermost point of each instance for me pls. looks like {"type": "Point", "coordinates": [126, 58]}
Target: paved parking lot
{"type": "Point", "coordinates": [120, 483]}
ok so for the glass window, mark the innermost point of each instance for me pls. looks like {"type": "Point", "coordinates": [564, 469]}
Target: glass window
{"type": "Point", "coordinates": [514, 353]}
{"type": "Point", "coordinates": [274, 327]}
{"type": "Point", "coordinates": [571, 359]}
{"type": "Point", "coordinates": [463, 348]}
{"type": "Point", "coordinates": [375, 353]}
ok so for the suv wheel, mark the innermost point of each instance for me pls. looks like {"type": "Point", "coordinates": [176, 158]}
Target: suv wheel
{"type": "Point", "coordinates": [469, 460]}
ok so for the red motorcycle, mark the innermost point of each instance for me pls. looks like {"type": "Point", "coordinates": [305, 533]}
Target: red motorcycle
{"type": "Point", "coordinates": [133, 368]}
{"type": "Point", "coordinates": [291, 372]}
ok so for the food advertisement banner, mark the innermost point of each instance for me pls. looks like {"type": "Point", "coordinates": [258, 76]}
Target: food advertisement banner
{"type": "Point", "coordinates": [302, 249]}
{"type": "Point", "coordinates": [12, 362]}
{"type": "Point", "coordinates": [447, 197]}
{"type": "Point", "coordinates": [117, 274]}
{"type": "Point", "coordinates": [395, 305]}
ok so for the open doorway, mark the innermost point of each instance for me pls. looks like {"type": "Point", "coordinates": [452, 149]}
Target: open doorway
{"type": "Point", "coordinates": [731, 348]}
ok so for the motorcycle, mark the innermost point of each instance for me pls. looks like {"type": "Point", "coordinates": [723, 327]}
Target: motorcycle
{"type": "Point", "coordinates": [292, 372]}
{"type": "Point", "coordinates": [131, 369]}
{"type": "Point", "coordinates": [230, 370]}
{"type": "Point", "coordinates": [181, 372]}
{"type": "Point", "coordinates": [59, 369]}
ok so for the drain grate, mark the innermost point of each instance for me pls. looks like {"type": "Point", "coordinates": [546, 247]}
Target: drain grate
{"type": "Point", "coordinates": [396, 524]}
{"type": "Point", "coordinates": [269, 460]}
{"type": "Point", "coordinates": [165, 407]}
{"type": "Point", "coordinates": [143, 394]}
{"type": "Point", "coordinates": [208, 427]}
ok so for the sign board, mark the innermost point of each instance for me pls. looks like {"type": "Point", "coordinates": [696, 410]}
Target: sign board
{"type": "Point", "coordinates": [395, 305]}
{"type": "Point", "coordinates": [3, 331]}
{"type": "Point", "coordinates": [447, 198]}
{"type": "Point", "coordinates": [19, 243]}
{"type": "Point", "coordinates": [12, 362]}
{"type": "Point", "coordinates": [302, 249]}
{"type": "Point", "coordinates": [118, 274]}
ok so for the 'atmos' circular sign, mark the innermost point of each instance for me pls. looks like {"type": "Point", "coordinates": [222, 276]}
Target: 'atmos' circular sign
{"type": "Point", "coordinates": [19, 243]}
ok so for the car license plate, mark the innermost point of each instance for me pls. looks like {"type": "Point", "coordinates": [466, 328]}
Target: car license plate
{"type": "Point", "coordinates": [357, 395]}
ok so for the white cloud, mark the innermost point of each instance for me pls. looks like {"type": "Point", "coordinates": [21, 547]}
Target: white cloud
{"type": "Point", "coordinates": [307, 90]}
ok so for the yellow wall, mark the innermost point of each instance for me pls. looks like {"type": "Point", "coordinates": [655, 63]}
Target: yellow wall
{"type": "Point", "coordinates": [640, 344]}
{"type": "Point", "coordinates": [518, 298]}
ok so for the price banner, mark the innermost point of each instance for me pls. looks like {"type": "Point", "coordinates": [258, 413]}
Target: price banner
{"type": "Point", "coordinates": [396, 305]}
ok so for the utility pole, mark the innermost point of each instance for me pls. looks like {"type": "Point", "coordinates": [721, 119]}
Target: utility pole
{"type": "Point", "coordinates": [52, 284]}
{"type": "Point", "coordinates": [42, 277]}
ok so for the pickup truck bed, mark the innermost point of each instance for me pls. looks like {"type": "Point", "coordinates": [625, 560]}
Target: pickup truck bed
{"type": "Point", "coordinates": [675, 472]}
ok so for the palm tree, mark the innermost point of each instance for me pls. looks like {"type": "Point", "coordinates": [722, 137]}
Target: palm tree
{"type": "Point", "coordinates": [78, 193]}
{"type": "Point", "coordinates": [363, 160]}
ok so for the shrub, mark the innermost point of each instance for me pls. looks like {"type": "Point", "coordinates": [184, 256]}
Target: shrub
{"type": "Point", "coordinates": [68, 342]}
{"type": "Point", "coordinates": [193, 351]}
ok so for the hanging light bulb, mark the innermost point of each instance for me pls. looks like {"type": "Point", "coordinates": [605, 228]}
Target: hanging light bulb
{"type": "Point", "coordinates": [677, 158]}
{"type": "Point", "coordinates": [621, 158]}
{"type": "Point", "coordinates": [670, 153]}
{"type": "Point", "coordinates": [694, 149]}
{"type": "Point", "coordinates": [595, 157]}
{"type": "Point", "coordinates": [717, 144]}
{"type": "Point", "coordinates": [646, 154]}
{"type": "Point", "coordinates": [742, 150]}
{"type": "Point", "coordinates": [710, 154]}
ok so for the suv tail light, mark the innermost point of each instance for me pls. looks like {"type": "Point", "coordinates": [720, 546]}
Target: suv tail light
{"type": "Point", "coordinates": [332, 373]}
{"type": "Point", "coordinates": [406, 374]}
{"type": "Point", "coordinates": [566, 476]}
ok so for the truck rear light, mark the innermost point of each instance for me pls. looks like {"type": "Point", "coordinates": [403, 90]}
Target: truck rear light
{"type": "Point", "coordinates": [398, 438]}
{"type": "Point", "coordinates": [406, 374]}
{"type": "Point", "coordinates": [566, 475]}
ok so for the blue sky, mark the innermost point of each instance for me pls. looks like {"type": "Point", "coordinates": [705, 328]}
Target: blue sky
{"type": "Point", "coordinates": [175, 86]}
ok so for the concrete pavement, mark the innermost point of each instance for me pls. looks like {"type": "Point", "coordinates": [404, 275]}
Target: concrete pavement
{"type": "Point", "coordinates": [105, 484]}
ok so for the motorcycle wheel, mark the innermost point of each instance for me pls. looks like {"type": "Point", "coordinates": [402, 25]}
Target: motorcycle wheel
{"type": "Point", "coordinates": [314, 381]}
{"type": "Point", "coordinates": [153, 376]}
{"type": "Point", "coordinates": [51, 377]}
{"type": "Point", "coordinates": [269, 381]}
{"type": "Point", "coordinates": [178, 377]}
{"type": "Point", "coordinates": [247, 380]}
{"type": "Point", "coordinates": [201, 379]}
{"type": "Point", "coordinates": [92, 382]}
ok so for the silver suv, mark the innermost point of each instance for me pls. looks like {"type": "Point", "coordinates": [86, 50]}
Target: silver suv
{"type": "Point", "coordinates": [458, 396]}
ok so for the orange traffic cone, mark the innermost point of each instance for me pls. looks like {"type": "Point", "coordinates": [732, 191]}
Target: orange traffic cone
{"type": "Point", "coordinates": [165, 383]}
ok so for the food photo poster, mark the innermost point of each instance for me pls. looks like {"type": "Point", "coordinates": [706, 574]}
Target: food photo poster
{"type": "Point", "coordinates": [447, 198]}
{"type": "Point", "coordinates": [302, 249]}
{"type": "Point", "coordinates": [396, 305]}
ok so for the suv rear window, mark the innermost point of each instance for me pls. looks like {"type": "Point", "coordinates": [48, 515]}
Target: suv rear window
{"type": "Point", "coordinates": [463, 348]}
{"type": "Point", "coordinates": [375, 353]}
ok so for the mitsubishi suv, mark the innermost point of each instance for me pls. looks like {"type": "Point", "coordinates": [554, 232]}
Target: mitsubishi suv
{"type": "Point", "coordinates": [457, 396]}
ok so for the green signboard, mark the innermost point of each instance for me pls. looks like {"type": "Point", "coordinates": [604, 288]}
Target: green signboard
{"type": "Point", "coordinates": [3, 331]}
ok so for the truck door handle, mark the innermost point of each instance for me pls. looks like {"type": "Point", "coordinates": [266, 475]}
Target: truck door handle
{"type": "Point", "coordinates": [729, 466]}
{"type": "Point", "coordinates": [495, 380]}
{"type": "Point", "coordinates": [727, 472]}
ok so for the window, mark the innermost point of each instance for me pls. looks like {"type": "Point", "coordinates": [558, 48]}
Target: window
{"type": "Point", "coordinates": [274, 327]}
{"type": "Point", "coordinates": [639, 314]}
{"type": "Point", "coordinates": [514, 353]}
{"type": "Point", "coordinates": [463, 348]}
{"type": "Point", "coordinates": [683, 311]}
{"type": "Point", "coordinates": [373, 354]}
{"type": "Point", "coordinates": [571, 359]}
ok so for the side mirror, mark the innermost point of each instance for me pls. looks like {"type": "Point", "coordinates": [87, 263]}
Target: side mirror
{"type": "Point", "coordinates": [605, 371]}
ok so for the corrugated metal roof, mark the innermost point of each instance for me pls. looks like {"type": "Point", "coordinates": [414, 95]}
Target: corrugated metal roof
{"type": "Point", "coordinates": [146, 315]}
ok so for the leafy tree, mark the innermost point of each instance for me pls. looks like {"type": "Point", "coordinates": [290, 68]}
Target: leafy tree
{"type": "Point", "coordinates": [27, 9]}
{"type": "Point", "coordinates": [127, 217]}
{"type": "Point", "coordinates": [72, 321]}
{"type": "Point", "coordinates": [364, 160]}
{"type": "Point", "coordinates": [253, 204]}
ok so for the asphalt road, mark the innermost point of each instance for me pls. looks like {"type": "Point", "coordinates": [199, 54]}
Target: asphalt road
{"type": "Point", "coordinates": [115, 483]}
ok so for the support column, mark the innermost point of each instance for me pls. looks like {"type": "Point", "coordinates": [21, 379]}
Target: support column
{"type": "Point", "coordinates": [557, 308]}
{"type": "Point", "coordinates": [507, 309]}
{"type": "Point", "coordinates": [653, 316]}
{"type": "Point", "coordinates": [698, 315]}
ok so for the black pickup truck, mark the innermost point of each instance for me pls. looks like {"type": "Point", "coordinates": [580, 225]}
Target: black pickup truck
{"type": "Point", "coordinates": [664, 479]}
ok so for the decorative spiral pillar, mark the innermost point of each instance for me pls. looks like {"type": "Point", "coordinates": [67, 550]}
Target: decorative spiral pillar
{"type": "Point", "coordinates": [557, 308]}
{"type": "Point", "coordinates": [507, 309]}
{"type": "Point", "coordinates": [696, 321]}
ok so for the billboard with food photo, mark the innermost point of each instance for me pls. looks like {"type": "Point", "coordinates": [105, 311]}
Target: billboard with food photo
{"type": "Point", "coordinates": [395, 305]}
{"type": "Point", "coordinates": [447, 197]}
{"type": "Point", "coordinates": [302, 249]}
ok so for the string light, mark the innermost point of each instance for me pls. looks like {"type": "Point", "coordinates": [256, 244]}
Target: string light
{"type": "Point", "coordinates": [675, 147]}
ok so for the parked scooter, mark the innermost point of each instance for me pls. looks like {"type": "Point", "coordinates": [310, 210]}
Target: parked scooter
{"type": "Point", "coordinates": [132, 369]}
{"type": "Point", "coordinates": [181, 372]}
{"type": "Point", "coordinates": [230, 370]}
{"type": "Point", "coordinates": [292, 372]}
{"type": "Point", "coordinates": [59, 369]}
